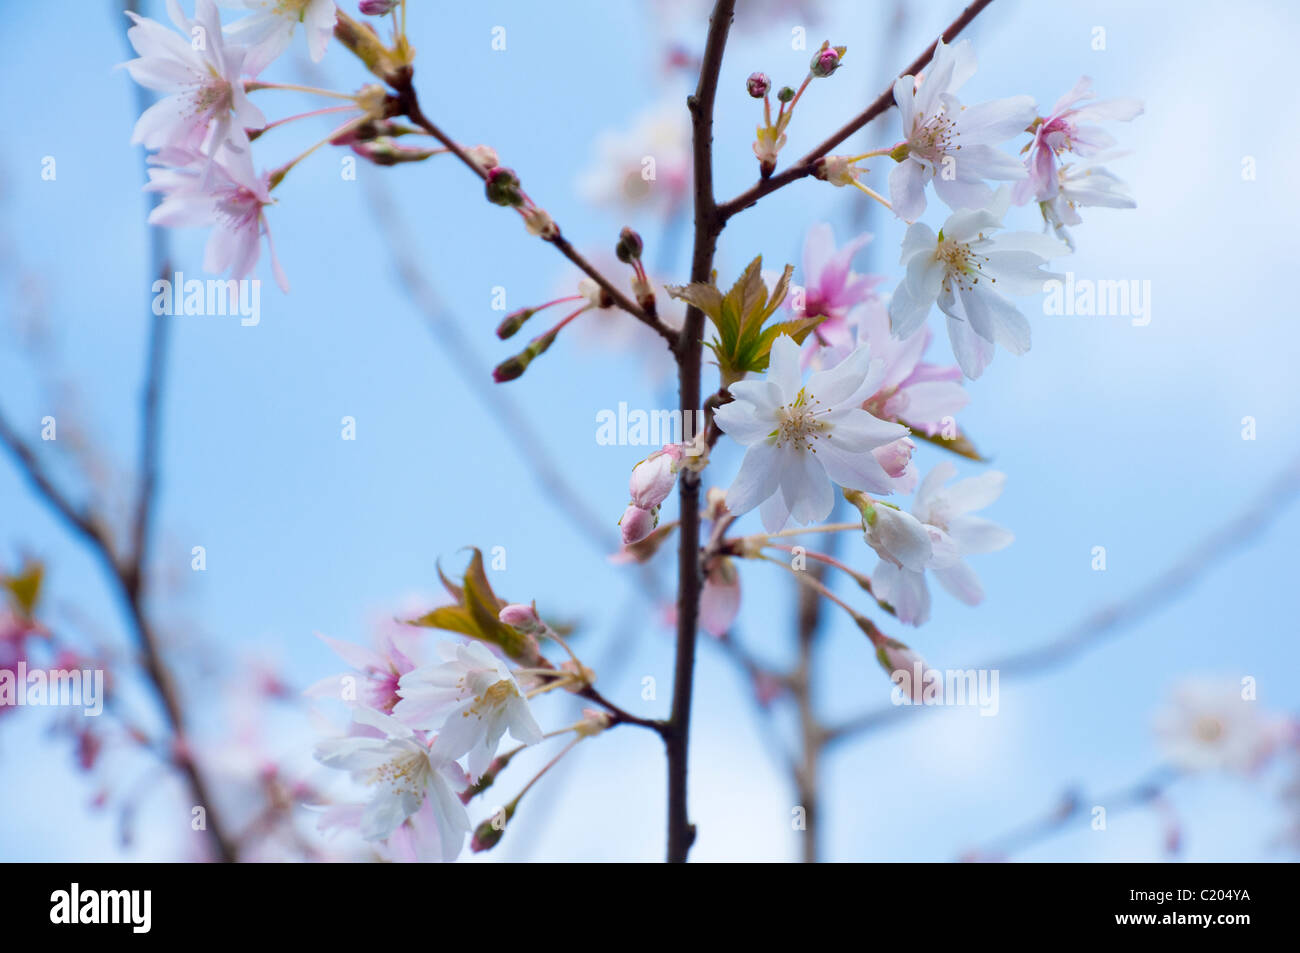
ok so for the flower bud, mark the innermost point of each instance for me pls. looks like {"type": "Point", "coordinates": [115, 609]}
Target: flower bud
{"type": "Point", "coordinates": [377, 8]}
{"type": "Point", "coordinates": [489, 833]}
{"type": "Point", "coordinates": [539, 223]}
{"type": "Point", "coordinates": [511, 368]}
{"type": "Point", "coordinates": [786, 94]}
{"type": "Point", "coordinates": [385, 152]}
{"type": "Point", "coordinates": [485, 157]}
{"type": "Point", "coordinates": [827, 59]}
{"type": "Point", "coordinates": [521, 617]}
{"type": "Point", "coordinates": [837, 170]}
{"type": "Point", "coordinates": [513, 321]}
{"type": "Point", "coordinates": [502, 187]}
{"type": "Point", "coordinates": [895, 457]}
{"type": "Point", "coordinates": [758, 85]}
{"type": "Point", "coordinates": [654, 477]}
{"type": "Point", "coordinates": [629, 246]}
{"type": "Point", "coordinates": [596, 296]}
{"type": "Point", "coordinates": [905, 668]}
{"type": "Point", "coordinates": [637, 523]}
{"type": "Point", "coordinates": [720, 598]}
{"type": "Point", "coordinates": [593, 722]}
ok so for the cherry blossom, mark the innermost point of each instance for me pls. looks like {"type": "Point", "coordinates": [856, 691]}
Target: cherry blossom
{"type": "Point", "coordinates": [224, 193]}
{"type": "Point", "coordinates": [471, 699]}
{"type": "Point", "coordinates": [267, 32]}
{"type": "Point", "coordinates": [802, 437]}
{"type": "Point", "coordinates": [1082, 185]}
{"type": "Point", "coordinates": [1209, 725]}
{"type": "Point", "coordinates": [948, 143]}
{"type": "Point", "coordinates": [404, 774]}
{"type": "Point", "coordinates": [954, 534]}
{"type": "Point", "coordinates": [831, 287]}
{"type": "Point", "coordinates": [958, 269]}
{"type": "Point", "coordinates": [207, 106]}
{"type": "Point", "coordinates": [1065, 130]}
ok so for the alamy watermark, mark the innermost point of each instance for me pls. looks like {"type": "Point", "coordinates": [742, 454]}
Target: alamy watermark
{"type": "Point", "coordinates": [55, 688]}
{"type": "Point", "coordinates": [209, 297]}
{"type": "Point", "coordinates": [922, 685]}
{"type": "Point", "coordinates": [1114, 297]}
{"type": "Point", "coordinates": [646, 428]}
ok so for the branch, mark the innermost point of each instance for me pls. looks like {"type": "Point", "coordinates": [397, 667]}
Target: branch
{"type": "Point", "coordinates": [882, 103]}
{"type": "Point", "coordinates": [410, 105]}
{"type": "Point", "coordinates": [681, 833]}
{"type": "Point", "coordinates": [1072, 807]}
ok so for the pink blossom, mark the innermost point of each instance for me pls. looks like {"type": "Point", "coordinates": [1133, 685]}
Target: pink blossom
{"type": "Point", "coordinates": [381, 669]}
{"type": "Point", "coordinates": [207, 106]}
{"type": "Point", "coordinates": [637, 523]}
{"type": "Point", "coordinates": [912, 392]}
{"type": "Point", "coordinates": [222, 192]}
{"type": "Point", "coordinates": [831, 287]}
{"type": "Point", "coordinates": [720, 598]}
{"type": "Point", "coordinates": [655, 476]}
{"type": "Point", "coordinates": [1065, 130]}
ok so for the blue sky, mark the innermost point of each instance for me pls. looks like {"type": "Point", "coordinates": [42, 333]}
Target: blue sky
{"type": "Point", "coordinates": [1113, 435]}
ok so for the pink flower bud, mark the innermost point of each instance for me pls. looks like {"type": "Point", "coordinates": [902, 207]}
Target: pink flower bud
{"type": "Point", "coordinates": [485, 157]}
{"type": "Point", "coordinates": [720, 598]}
{"type": "Point", "coordinates": [826, 60]}
{"type": "Point", "coordinates": [377, 8]}
{"type": "Point", "coordinates": [895, 457]}
{"type": "Point", "coordinates": [637, 523]}
{"type": "Point", "coordinates": [521, 617]}
{"type": "Point", "coordinates": [654, 477]}
{"type": "Point", "coordinates": [758, 85]}
{"type": "Point", "coordinates": [905, 668]}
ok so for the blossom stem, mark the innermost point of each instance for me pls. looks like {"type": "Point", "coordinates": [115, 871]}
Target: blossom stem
{"type": "Point", "coordinates": [801, 530]}
{"type": "Point", "coordinates": [872, 192]}
{"type": "Point", "coordinates": [810, 580]}
{"type": "Point", "coordinates": [278, 175]}
{"type": "Point", "coordinates": [257, 133]}
{"type": "Point", "coordinates": [254, 85]}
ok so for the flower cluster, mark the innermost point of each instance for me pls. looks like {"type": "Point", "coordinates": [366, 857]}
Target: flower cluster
{"type": "Point", "coordinates": [428, 720]}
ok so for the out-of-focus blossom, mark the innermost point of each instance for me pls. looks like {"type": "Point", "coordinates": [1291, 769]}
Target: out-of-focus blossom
{"type": "Point", "coordinates": [804, 437]}
{"type": "Point", "coordinates": [647, 167]}
{"type": "Point", "coordinates": [206, 107]}
{"type": "Point", "coordinates": [1209, 726]}
{"type": "Point", "coordinates": [268, 30]}
{"type": "Point", "coordinates": [720, 598]}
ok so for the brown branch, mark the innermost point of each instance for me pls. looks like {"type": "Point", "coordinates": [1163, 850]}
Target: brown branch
{"type": "Point", "coordinates": [708, 224]}
{"type": "Point", "coordinates": [410, 106]}
{"type": "Point", "coordinates": [882, 103]}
